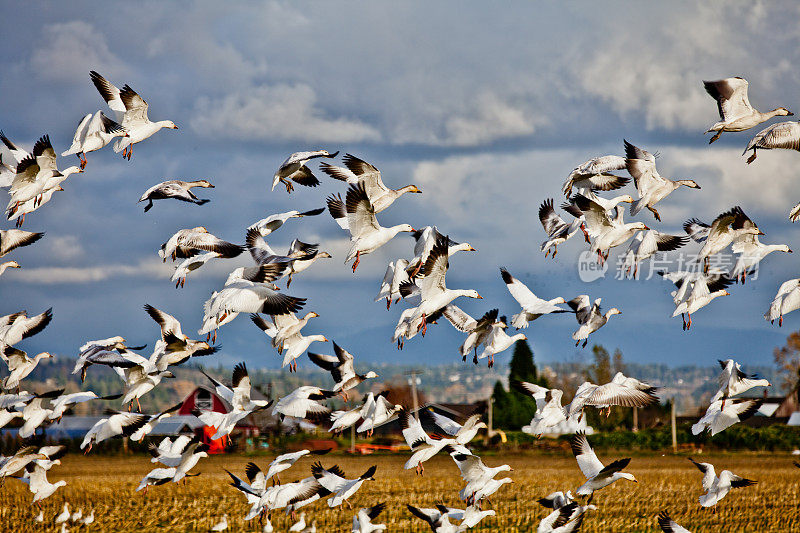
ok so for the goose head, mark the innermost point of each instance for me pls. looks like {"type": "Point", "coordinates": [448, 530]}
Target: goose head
{"type": "Point", "coordinates": [613, 311]}
{"type": "Point", "coordinates": [324, 254]}
{"type": "Point", "coordinates": [71, 170]}
{"type": "Point", "coordinates": [559, 300]}
{"type": "Point", "coordinates": [370, 375]}
{"type": "Point", "coordinates": [12, 264]}
{"type": "Point", "coordinates": [403, 227]}
{"type": "Point", "coordinates": [688, 183]}
{"type": "Point", "coordinates": [627, 198]}
{"type": "Point", "coordinates": [310, 314]}
{"type": "Point", "coordinates": [472, 293]}
{"type": "Point", "coordinates": [783, 112]}
{"type": "Point", "coordinates": [326, 153]}
{"type": "Point", "coordinates": [167, 124]}
{"type": "Point", "coordinates": [204, 183]}
{"type": "Point", "coordinates": [625, 475]}
{"type": "Point", "coordinates": [410, 188]}
{"type": "Point", "coordinates": [463, 247]}
{"type": "Point", "coordinates": [784, 248]}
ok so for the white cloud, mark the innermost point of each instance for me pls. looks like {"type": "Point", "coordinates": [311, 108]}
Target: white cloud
{"type": "Point", "coordinates": [64, 247]}
{"type": "Point", "coordinates": [276, 112]}
{"type": "Point", "coordinates": [72, 48]}
{"type": "Point", "coordinates": [488, 120]}
{"type": "Point", "coordinates": [90, 274]}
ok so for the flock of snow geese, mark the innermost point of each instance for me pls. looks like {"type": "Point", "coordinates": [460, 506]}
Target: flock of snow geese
{"type": "Point", "coordinates": [32, 179]}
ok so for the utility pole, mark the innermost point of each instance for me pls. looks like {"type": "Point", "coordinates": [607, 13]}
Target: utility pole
{"type": "Point", "coordinates": [635, 419]}
{"type": "Point", "coordinates": [353, 438]}
{"type": "Point", "coordinates": [489, 430]}
{"type": "Point", "coordinates": [674, 432]}
{"type": "Point", "coordinates": [413, 380]}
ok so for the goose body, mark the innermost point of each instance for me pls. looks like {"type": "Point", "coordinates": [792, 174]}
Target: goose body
{"type": "Point", "coordinates": [558, 231]}
{"type": "Point", "coordinates": [294, 169]}
{"type": "Point", "coordinates": [589, 317]}
{"type": "Point", "coordinates": [726, 228]}
{"type": "Point", "coordinates": [786, 300]}
{"type": "Point", "coordinates": [721, 415]}
{"type": "Point", "coordinates": [94, 132]}
{"type": "Point", "coordinates": [646, 244]}
{"type": "Point", "coordinates": [19, 364]}
{"type": "Point", "coordinates": [717, 487]}
{"type": "Point", "coordinates": [651, 186]}
{"type": "Point", "coordinates": [192, 241]}
{"type": "Point", "coordinates": [605, 231]}
{"type": "Point", "coordinates": [533, 307]}
{"type": "Point", "coordinates": [751, 252]}
{"type": "Point", "coordinates": [177, 189]}
{"type": "Point", "coordinates": [784, 135]}
{"type": "Point", "coordinates": [359, 172]}
{"type": "Point", "coordinates": [131, 112]}
{"type": "Point", "coordinates": [735, 111]}
{"type": "Point", "coordinates": [302, 401]}
{"type": "Point", "coordinates": [595, 174]}
{"type": "Point", "coordinates": [597, 475]}
{"type": "Point", "coordinates": [334, 480]}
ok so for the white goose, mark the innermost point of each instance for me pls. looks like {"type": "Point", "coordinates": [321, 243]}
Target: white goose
{"type": "Point", "coordinates": [334, 480]}
{"type": "Point", "coordinates": [238, 396]}
{"type": "Point", "coordinates": [734, 381]}
{"type": "Point", "coordinates": [606, 232]}
{"type": "Point", "coordinates": [302, 401]}
{"type": "Point", "coordinates": [17, 326]}
{"type": "Point", "coordinates": [549, 411]}
{"type": "Point", "coordinates": [376, 412]}
{"type": "Point", "coordinates": [478, 331]}
{"type": "Point", "coordinates": [116, 423]}
{"type": "Point", "coordinates": [786, 300]}
{"type": "Point", "coordinates": [645, 244]}
{"type": "Point", "coordinates": [39, 485]}
{"type": "Point", "coordinates": [131, 112]}
{"type": "Point", "coordinates": [265, 226]}
{"type": "Point", "coordinates": [735, 111]}
{"type": "Point", "coordinates": [361, 172]}
{"type": "Point", "coordinates": [362, 521]}
{"type": "Point", "coordinates": [704, 289]}
{"type": "Point", "coordinates": [424, 241]}
{"type": "Point", "coordinates": [294, 169]}
{"type": "Point", "coordinates": [727, 227]}
{"type": "Point", "coordinates": [597, 475]}
{"type": "Point", "coordinates": [652, 187]}
{"type": "Point", "coordinates": [341, 367]}
{"type": "Point", "coordinates": [93, 133]}
{"type": "Point", "coordinates": [20, 211]}
{"type": "Point", "coordinates": [191, 241]}
{"type": "Point", "coordinates": [558, 231]}
{"type": "Point", "coordinates": [589, 317]}
{"type": "Point", "coordinates": [532, 306]}
{"type": "Point", "coordinates": [177, 189]}
{"type": "Point", "coordinates": [287, 460]}
{"type": "Point", "coordinates": [19, 364]}
{"type": "Point", "coordinates": [751, 253]}
{"type": "Point", "coordinates": [178, 347]}
{"type": "Point", "coordinates": [717, 487]}
{"type": "Point", "coordinates": [434, 294]}
{"type": "Point", "coordinates": [721, 415]}
{"type": "Point", "coordinates": [357, 215]}
{"type": "Point", "coordinates": [190, 264]}
{"type": "Point", "coordinates": [498, 341]}
{"type": "Point", "coordinates": [390, 286]}
{"type": "Point", "coordinates": [784, 135]}
{"type": "Point", "coordinates": [35, 415]}
{"type": "Point", "coordinates": [8, 264]}
{"type": "Point", "coordinates": [594, 175]}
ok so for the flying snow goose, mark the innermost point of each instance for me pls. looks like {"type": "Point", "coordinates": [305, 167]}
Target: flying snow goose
{"type": "Point", "coordinates": [303, 401]}
{"type": "Point", "coordinates": [116, 423]}
{"type": "Point", "coordinates": [557, 230]}
{"type": "Point", "coordinates": [786, 300]}
{"type": "Point", "coordinates": [532, 306]}
{"type": "Point", "coordinates": [781, 135]}
{"type": "Point", "coordinates": [621, 390]}
{"type": "Point", "coordinates": [93, 133]}
{"type": "Point", "coordinates": [362, 521]}
{"type": "Point", "coordinates": [474, 472]}
{"type": "Point", "coordinates": [360, 172]}
{"type": "Point", "coordinates": [734, 381]}
{"type": "Point", "coordinates": [462, 433]}
{"type": "Point", "coordinates": [645, 244]}
{"type": "Point", "coordinates": [92, 348]}
{"type": "Point", "coordinates": [131, 112]}
{"type": "Point", "coordinates": [23, 457]}
{"type": "Point", "coordinates": [390, 286]}
{"type": "Point", "coordinates": [18, 326]}
{"type": "Point", "coordinates": [190, 242]}
{"type": "Point", "coordinates": [720, 416]}
{"type": "Point", "coordinates": [434, 295]}
{"type": "Point", "coordinates": [478, 331]}
{"type": "Point", "coordinates": [424, 241]}
{"type": "Point", "coordinates": [65, 401]}
{"type": "Point", "coordinates": [422, 446]}
{"type": "Point", "coordinates": [20, 211]}
{"type": "Point", "coordinates": [19, 364]}
{"type": "Point", "coordinates": [358, 216]}
{"type": "Point", "coordinates": [178, 346]}
{"type": "Point", "coordinates": [589, 316]}
{"type": "Point", "coordinates": [595, 175]}
{"type": "Point", "coordinates": [704, 289]}
{"type": "Point", "coordinates": [376, 412]}
{"type": "Point", "coordinates": [177, 189]}
{"type": "Point", "coordinates": [152, 422]}
{"type": "Point", "coordinates": [294, 169]}
{"type": "Point", "coordinates": [14, 238]}
{"type": "Point", "coordinates": [345, 419]}
{"type": "Point", "coordinates": [717, 487]}
{"type": "Point", "coordinates": [38, 483]}
{"type": "Point", "coordinates": [283, 328]}
{"type": "Point", "coordinates": [436, 520]}
{"type": "Point", "coordinates": [37, 173]}
{"type": "Point", "coordinates": [727, 227]}
{"type": "Point", "coordinates": [751, 253]}
{"type": "Point", "coordinates": [550, 414]}
{"type": "Point", "coordinates": [341, 369]}
{"type": "Point", "coordinates": [35, 414]}
{"type": "Point", "coordinates": [306, 254]}
{"type": "Point", "coordinates": [157, 476]}
{"type": "Point", "coordinates": [597, 475]}
{"type": "Point", "coordinates": [564, 519]}
{"type": "Point", "coordinates": [668, 525]}
{"type": "Point", "coordinates": [334, 480]}
{"type": "Point", "coordinates": [651, 186]}
{"type": "Point", "coordinates": [606, 232]}
{"type": "Point", "coordinates": [287, 460]}
{"type": "Point", "coordinates": [556, 500]}
{"type": "Point", "coordinates": [498, 341]}
{"type": "Point", "coordinates": [735, 111]}
{"type": "Point", "coordinates": [190, 264]}
{"type": "Point", "coordinates": [238, 396]}
{"type": "Point", "coordinates": [8, 264]}
{"type": "Point", "coordinates": [606, 203]}
{"type": "Point", "coordinates": [265, 226]}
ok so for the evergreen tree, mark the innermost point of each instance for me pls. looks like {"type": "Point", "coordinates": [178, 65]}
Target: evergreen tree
{"type": "Point", "coordinates": [513, 409]}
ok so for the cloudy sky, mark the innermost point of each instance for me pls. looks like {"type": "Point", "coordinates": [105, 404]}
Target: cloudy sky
{"type": "Point", "coordinates": [486, 109]}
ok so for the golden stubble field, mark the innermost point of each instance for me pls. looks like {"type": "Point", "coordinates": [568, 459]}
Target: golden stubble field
{"type": "Point", "coordinates": [107, 485]}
